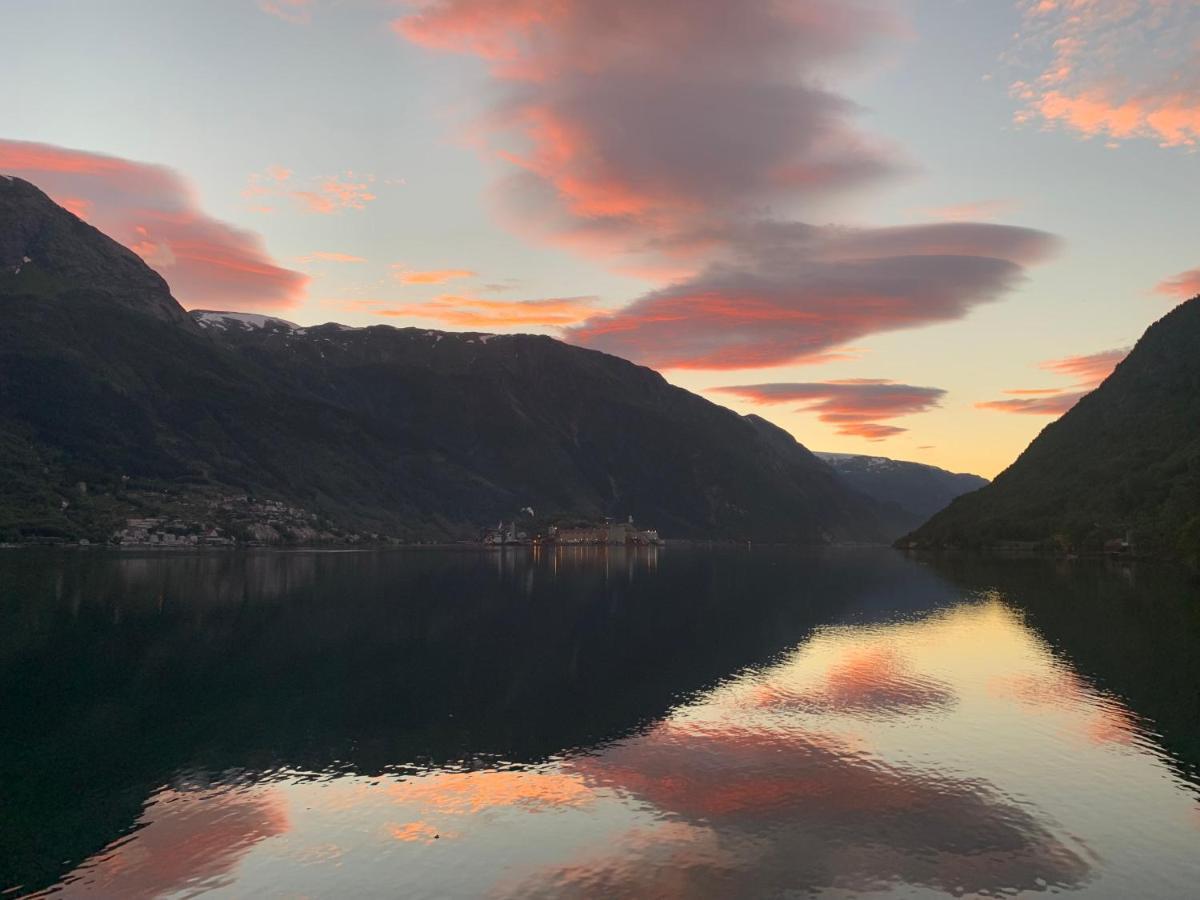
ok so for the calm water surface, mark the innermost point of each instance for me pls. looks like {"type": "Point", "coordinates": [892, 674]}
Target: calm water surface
{"type": "Point", "coordinates": [679, 723]}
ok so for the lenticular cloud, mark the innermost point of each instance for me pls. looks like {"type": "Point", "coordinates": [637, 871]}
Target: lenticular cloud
{"type": "Point", "coordinates": [682, 140]}
{"type": "Point", "coordinates": [853, 406]}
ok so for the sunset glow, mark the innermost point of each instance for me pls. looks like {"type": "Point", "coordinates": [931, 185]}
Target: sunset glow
{"type": "Point", "coordinates": [813, 192]}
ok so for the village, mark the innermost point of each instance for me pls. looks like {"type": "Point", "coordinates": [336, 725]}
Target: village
{"type": "Point", "coordinates": [602, 533]}
{"type": "Point", "coordinates": [244, 521]}
{"type": "Point", "coordinates": [234, 521]}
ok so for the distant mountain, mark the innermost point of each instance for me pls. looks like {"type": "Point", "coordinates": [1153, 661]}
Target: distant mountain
{"type": "Point", "coordinates": [114, 402]}
{"type": "Point", "coordinates": [918, 489]}
{"type": "Point", "coordinates": [1124, 461]}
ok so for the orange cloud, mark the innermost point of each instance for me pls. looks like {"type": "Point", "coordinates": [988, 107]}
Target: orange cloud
{"type": "Point", "coordinates": [473, 312]}
{"type": "Point", "coordinates": [853, 405]}
{"type": "Point", "coordinates": [328, 256]}
{"type": "Point", "coordinates": [325, 195]}
{"type": "Point", "coordinates": [1087, 371]}
{"type": "Point", "coordinates": [1091, 72]}
{"type": "Point", "coordinates": [1054, 405]}
{"type": "Point", "coordinates": [870, 431]}
{"type": "Point", "coordinates": [1185, 285]}
{"type": "Point", "coordinates": [334, 194]}
{"type": "Point", "coordinates": [155, 212]}
{"type": "Point", "coordinates": [430, 276]}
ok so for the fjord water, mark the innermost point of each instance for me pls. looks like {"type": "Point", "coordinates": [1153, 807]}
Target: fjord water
{"type": "Point", "coordinates": [591, 723]}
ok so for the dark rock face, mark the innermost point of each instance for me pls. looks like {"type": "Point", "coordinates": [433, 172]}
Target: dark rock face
{"type": "Point", "coordinates": [919, 490]}
{"type": "Point", "coordinates": [47, 251]}
{"type": "Point", "coordinates": [1124, 462]}
{"type": "Point", "coordinates": [414, 433]}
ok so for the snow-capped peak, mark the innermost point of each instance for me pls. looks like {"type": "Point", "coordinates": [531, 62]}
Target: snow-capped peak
{"type": "Point", "coordinates": [227, 320]}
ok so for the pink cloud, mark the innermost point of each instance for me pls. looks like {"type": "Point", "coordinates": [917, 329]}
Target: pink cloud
{"type": "Point", "coordinates": [155, 212]}
{"type": "Point", "coordinates": [1185, 285]}
{"type": "Point", "coordinates": [612, 143]}
{"type": "Point", "coordinates": [684, 167]}
{"type": "Point", "coordinates": [474, 312]}
{"type": "Point", "coordinates": [324, 195]}
{"type": "Point", "coordinates": [870, 431]}
{"type": "Point", "coordinates": [298, 12]}
{"type": "Point", "coordinates": [429, 276]}
{"type": "Point", "coordinates": [1054, 404]}
{"type": "Point", "coordinates": [789, 293]}
{"type": "Point", "coordinates": [1118, 69]}
{"type": "Point", "coordinates": [854, 405]}
{"type": "Point", "coordinates": [1088, 371]}
{"type": "Point", "coordinates": [335, 193]}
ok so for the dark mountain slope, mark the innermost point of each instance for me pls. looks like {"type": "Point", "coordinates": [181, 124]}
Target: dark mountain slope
{"type": "Point", "coordinates": [50, 253]}
{"type": "Point", "coordinates": [105, 380]}
{"type": "Point", "coordinates": [494, 423]}
{"type": "Point", "coordinates": [1125, 459]}
{"type": "Point", "coordinates": [919, 490]}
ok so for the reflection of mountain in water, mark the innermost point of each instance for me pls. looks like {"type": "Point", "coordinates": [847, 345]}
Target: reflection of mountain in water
{"type": "Point", "coordinates": [123, 670]}
{"type": "Point", "coordinates": [125, 674]}
{"type": "Point", "coordinates": [1133, 630]}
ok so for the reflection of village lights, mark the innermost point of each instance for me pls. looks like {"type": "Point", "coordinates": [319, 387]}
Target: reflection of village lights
{"type": "Point", "coordinates": [603, 534]}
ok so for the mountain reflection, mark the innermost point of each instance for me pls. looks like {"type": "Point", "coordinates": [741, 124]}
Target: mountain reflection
{"type": "Point", "coordinates": [584, 723]}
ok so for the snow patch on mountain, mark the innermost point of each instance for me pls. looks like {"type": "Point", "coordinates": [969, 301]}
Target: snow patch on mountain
{"type": "Point", "coordinates": [226, 320]}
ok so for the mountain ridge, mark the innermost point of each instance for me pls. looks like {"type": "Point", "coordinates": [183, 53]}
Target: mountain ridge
{"type": "Point", "coordinates": [1123, 463]}
{"type": "Point", "coordinates": [115, 403]}
{"type": "Point", "coordinates": [919, 489]}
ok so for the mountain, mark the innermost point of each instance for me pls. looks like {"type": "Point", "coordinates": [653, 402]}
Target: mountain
{"type": "Point", "coordinates": [46, 252]}
{"type": "Point", "coordinates": [115, 403]}
{"type": "Point", "coordinates": [918, 489]}
{"type": "Point", "coordinates": [1125, 461]}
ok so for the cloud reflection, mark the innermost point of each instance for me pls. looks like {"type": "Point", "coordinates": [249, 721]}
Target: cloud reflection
{"type": "Point", "coordinates": [805, 812]}
{"type": "Point", "coordinates": [187, 840]}
{"type": "Point", "coordinates": [871, 681]}
{"type": "Point", "coordinates": [1099, 719]}
{"type": "Point", "coordinates": [468, 793]}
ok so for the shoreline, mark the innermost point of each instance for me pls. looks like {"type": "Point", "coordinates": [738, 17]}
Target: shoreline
{"type": "Point", "coordinates": [472, 546]}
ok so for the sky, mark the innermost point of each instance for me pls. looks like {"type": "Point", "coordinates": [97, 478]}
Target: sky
{"type": "Point", "coordinates": [912, 228]}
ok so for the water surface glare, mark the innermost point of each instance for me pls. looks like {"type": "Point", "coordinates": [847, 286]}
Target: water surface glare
{"type": "Point", "coordinates": [588, 723]}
